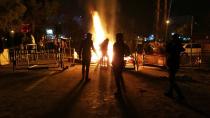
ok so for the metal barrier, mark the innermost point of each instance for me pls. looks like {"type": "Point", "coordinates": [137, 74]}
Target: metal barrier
{"type": "Point", "coordinates": [205, 59]}
{"type": "Point", "coordinates": [31, 55]}
{"type": "Point", "coordinates": [186, 60]}
{"type": "Point", "coordinates": [193, 59]}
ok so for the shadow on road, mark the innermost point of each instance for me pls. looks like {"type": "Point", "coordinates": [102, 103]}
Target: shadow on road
{"type": "Point", "coordinates": [127, 109]}
{"type": "Point", "coordinates": [146, 76]}
{"type": "Point", "coordinates": [65, 106]}
{"type": "Point", "coordinates": [21, 79]}
{"type": "Point", "coordinates": [194, 109]}
{"type": "Point", "coordinates": [161, 81]}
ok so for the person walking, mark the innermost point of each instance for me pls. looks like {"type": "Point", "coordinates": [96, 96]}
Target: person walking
{"type": "Point", "coordinates": [85, 54]}
{"type": "Point", "coordinates": [119, 50]}
{"type": "Point", "coordinates": [173, 50]}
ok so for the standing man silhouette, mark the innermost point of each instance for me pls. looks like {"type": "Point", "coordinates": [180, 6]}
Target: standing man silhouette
{"type": "Point", "coordinates": [173, 50]}
{"type": "Point", "coordinates": [119, 50]}
{"type": "Point", "coordinates": [85, 54]}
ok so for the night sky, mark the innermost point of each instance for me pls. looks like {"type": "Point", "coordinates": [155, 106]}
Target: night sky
{"type": "Point", "coordinates": [190, 7]}
{"type": "Point", "coordinates": [142, 12]}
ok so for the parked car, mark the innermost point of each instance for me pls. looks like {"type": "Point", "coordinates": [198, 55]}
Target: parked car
{"type": "Point", "coordinates": [129, 62]}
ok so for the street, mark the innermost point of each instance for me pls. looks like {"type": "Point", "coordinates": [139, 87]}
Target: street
{"type": "Point", "coordinates": [62, 94]}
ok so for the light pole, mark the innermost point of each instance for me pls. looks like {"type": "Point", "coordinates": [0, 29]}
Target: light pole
{"type": "Point", "coordinates": [13, 51]}
{"type": "Point", "coordinates": [191, 32]}
{"type": "Point", "coordinates": [166, 36]}
{"type": "Point", "coordinates": [166, 32]}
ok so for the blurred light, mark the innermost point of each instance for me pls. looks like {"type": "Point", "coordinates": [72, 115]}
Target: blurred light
{"type": "Point", "coordinates": [99, 34]}
{"type": "Point", "coordinates": [49, 31]}
{"type": "Point", "coordinates": [12, 31]}
{"type": "Point", "coordinates": [167, 21]}
{"type": "Point", "coordinates": [151, 37]}
{"type": "Point", "coordinates": [172, 33]}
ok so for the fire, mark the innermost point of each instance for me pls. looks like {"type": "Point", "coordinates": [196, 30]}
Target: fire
{"type": "Point", "coordinates": [99, 35]}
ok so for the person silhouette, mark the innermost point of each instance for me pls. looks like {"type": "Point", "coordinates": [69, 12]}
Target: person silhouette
{"type": "Point", "coordinates": [173, 50]}
{"type": "Point", "coordinates": [85, 54]}
{"type": "Point", "coordinates": [104, 48]}
{"type": "Point", "coordinates": [119, 50]}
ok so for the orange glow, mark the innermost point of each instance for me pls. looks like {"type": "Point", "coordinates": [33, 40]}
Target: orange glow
{"type": "Point", "coordinates": [99, 35]}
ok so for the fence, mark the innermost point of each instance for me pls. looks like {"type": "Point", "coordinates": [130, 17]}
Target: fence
{"type": "Point", "coordinates": [186, 60]}
{"type": "Point", "coordinates": [201, 59]}
{"type": "Point", "coordinates": [30, 55]}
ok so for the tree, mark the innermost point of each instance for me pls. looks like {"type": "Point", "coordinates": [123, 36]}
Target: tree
{"type": "Point", "coordinates": [41, 13]}
{"type": "Point", "coordinates": [11, 13]}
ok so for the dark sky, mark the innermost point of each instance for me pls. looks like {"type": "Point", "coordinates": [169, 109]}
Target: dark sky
{"type": "Point", "coordinates": [143, 11]}
{"type": "Point", "coordinates": [199, 9]}
{"type": "Point", "coordinates": [190, 7]}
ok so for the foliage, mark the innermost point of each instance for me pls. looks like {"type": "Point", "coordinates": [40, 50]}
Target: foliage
{"type": "Point", "coordinates": [41, 13]}
{"type": "Point", "coordinates": [11, 13]}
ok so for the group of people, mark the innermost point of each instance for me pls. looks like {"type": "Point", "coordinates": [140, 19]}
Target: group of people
{"type": "Point", "coordinates": [173, 50]}
{"type": "Point", "coordinates": [52, 43]}
{"type": "Point", "coordinates": [117, 62]}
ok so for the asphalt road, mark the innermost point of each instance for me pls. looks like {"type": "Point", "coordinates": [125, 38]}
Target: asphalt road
{"type": "Point", "coordinates": [62, 94]}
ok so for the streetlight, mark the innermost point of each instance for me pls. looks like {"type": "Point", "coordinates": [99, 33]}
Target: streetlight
{"type": "Point", "coordinates": [12, 32]}
{"type": "Point", "coordinates": [167, 22]}
{"type": "Point", "coordinates": [13, 54]}
{"type": "Point", "coordinates": [166, 32]}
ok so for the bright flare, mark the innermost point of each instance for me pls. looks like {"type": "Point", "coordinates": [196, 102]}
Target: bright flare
{"type": "Point", "coordinates": [99, 35]}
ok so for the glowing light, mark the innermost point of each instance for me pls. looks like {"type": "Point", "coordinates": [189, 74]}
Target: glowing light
{"type": "Point", "coordinates": [172, 33]}
{"type": "Point", "coordinates": [49, 31]}
{"type": "Point", "coordinates": [98, 28]}
{"type": "Point", "coordinates": [12, 31]}
{"type": "Point", "coordinates": [99, 35]}
{"type": "Point", "coordinates": [167, 21]}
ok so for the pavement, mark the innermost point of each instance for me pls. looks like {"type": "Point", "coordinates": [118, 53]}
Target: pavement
{"type": "Point", "coordinates": [60, 93]}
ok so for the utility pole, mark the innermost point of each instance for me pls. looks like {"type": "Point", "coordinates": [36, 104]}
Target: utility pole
{"type": "Point", "coordinates": [191, 32]}
{"type": "Point", "coordinates": [162, 14]}
{"type": "Point", "coordinates": [157, 22]}
{"type": "Point", "coordinates": [165, 18]}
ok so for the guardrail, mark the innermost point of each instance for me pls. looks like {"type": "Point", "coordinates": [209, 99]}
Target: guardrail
{"type": "Point", "coordinates": [30, 56]}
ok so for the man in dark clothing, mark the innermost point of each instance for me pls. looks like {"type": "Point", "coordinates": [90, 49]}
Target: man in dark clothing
{"type": "Point", "coordinates": [119, 50]}
{"type": "Point", "coordinates": [85, 53]}
{"type": "Point", "coordinates": [173, 50]}
{"type": "Point", "coordinates": [104, 48]}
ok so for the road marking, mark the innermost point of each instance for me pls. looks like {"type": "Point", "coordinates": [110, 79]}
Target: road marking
{"type": "Point", "coordinates": [38, 82]}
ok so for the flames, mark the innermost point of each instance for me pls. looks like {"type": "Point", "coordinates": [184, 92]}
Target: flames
{"type": "Point", "coordinates": [99, 35]}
